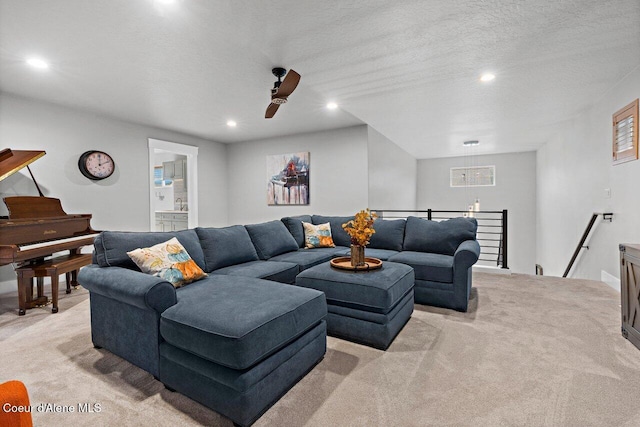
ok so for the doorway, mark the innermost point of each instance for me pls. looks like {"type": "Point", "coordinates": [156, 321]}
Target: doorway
{"type": "Point", "coordinates": [173, 186]}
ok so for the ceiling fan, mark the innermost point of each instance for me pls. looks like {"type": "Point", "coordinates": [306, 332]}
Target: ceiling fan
{"type": "Point", "coordinates": [281, 89]}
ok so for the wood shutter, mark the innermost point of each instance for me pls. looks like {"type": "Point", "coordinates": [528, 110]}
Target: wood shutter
{"type": "Point", "coordinates": [625, 134]}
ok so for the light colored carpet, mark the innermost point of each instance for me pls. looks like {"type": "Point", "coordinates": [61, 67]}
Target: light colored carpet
{"type": "Point", "coordinates": [531, 351]}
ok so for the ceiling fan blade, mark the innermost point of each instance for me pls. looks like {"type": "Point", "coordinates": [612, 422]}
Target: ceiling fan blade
{"type": "Point", "coordinates": [271, 110]}
{"type": "Point", "coordinates": [288, 85]}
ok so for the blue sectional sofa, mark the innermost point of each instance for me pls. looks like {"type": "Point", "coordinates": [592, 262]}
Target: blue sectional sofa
{"type": "Point", "coordinates": [237, 340]}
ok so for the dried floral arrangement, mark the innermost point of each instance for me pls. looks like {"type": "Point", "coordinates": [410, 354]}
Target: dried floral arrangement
{"type": "Point", "coordinates": [361, 227]}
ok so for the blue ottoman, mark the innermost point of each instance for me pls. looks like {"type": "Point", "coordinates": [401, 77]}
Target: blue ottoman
{"type": "Point", "coordinates": [368, 307]}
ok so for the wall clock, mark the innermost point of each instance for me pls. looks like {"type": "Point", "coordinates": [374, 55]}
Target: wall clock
{"type": "Point", "coordinates": [96, 165]}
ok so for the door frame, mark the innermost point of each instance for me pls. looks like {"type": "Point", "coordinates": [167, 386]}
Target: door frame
{"type": "Point", "coordinates": [191, 153]}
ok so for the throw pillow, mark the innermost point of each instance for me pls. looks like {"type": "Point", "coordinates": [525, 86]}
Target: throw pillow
{"type": "Point", "coordinates": [317, 236]}
{"type": "Point", "coordinates": [168, 260]}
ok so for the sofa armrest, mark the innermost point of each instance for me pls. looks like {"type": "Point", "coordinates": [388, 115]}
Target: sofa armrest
{"type": "Point", "coordinates": [466, 255]}
{"type": "Point", "coordinates": [129, 286]}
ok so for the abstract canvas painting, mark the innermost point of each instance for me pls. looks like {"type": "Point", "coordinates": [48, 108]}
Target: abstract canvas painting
{"type": "Point", "coordinates": [288, 179]}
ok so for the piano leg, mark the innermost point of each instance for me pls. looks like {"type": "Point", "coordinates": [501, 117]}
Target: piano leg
{"type": "Point", "coordinates": [25, 291]}
{"type": "Point", "coordinates": [23, 284]}
{"type": "Point", "coordinates": [54, 293]}
{"type": "Point", "coordinates": [40, 286]}
{"type": "Point", "coordinates": [72, 277]}
{"type": "Point", "coordinates": [29, 290]}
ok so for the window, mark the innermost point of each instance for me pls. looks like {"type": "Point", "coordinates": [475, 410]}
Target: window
{"type": "Point", "coordinates": [475, 176]}
{"type": "Point", "coordinates": [625, 134]}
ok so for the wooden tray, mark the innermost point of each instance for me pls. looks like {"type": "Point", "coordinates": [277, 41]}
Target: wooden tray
{"type": "Point", "coordinates": [344, 263]}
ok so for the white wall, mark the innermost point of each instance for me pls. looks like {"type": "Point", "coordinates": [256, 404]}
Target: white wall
{"type": "Point", "coordinates": [338, 175]}
{"type": "Point", "coordinates": [515, 190]}
{"type": "Point", "coordinates": [574, 169]}
{"type": "Point", "coordinates": [120, 202]}
{"type": "Point", "coordinates": [392, 174]}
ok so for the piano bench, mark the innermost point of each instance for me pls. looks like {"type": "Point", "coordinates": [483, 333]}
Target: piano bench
{"type": "Point", "coordinates": [68, 265]}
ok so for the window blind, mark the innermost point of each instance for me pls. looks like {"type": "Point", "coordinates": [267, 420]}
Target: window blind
{"type": "Point", "coordinates": [625, 133]}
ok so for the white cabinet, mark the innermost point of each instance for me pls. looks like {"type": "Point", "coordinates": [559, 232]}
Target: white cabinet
{"type": "Point", "coordinates": [172, 221]}
{"type": "Point", "coordinates": [179, 225]}
{"type": "Point", "coordinates": [168, 170]}
{"type": "Point", "coordinates": [174, 170]}
{"type": "Point", "coordinates": [179, 169]}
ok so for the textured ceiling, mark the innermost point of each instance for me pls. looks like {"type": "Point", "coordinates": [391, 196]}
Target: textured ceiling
{"type": "Point", "coordinates": [409, 69]}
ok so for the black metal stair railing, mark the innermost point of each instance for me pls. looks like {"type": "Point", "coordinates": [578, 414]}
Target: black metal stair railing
{"type": "Point", "coordinates": [492, 231]}
{"type": "Point", "coordinates": [605, 217]}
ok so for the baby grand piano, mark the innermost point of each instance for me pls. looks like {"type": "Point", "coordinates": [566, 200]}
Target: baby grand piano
{"type": "Point", "coordinates": [36, 226]}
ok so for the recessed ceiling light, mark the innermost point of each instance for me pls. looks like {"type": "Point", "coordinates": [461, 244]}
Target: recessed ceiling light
{"type": "Point", "coordinates": [471, 143]}
{"type": "Point", "coordinates": [231, 123]}
{"type": "Point", "coordinates": [37, 63]}
{"type": "Point", "coordinates": [487, 77]}
{"type": "Point", "coordinates": [332, 105]}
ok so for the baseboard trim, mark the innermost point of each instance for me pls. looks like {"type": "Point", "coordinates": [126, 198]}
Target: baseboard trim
{"type": "Point", "coordinates": [490, 269]}
{"type": "Point", "coordinates": [610, 280]}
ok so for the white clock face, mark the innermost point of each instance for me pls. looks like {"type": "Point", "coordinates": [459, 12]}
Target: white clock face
{"type": "Point", "coordinates": [99, 164]}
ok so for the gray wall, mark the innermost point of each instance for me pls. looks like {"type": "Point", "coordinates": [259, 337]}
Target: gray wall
{"type": "Point", "coordinates": [392, 174]}
{"type": "Point", "coordinates": [574, 169]}
{"type": "Point", "coordinates": [120, 202]}
{"type": "Point", "coordinates": [515, 190]}
{"type": "Point", "coordinates": [338, 174]}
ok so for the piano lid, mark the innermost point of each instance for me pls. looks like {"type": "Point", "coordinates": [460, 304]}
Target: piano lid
{"type": "Point", "coordinates": [11, 161]}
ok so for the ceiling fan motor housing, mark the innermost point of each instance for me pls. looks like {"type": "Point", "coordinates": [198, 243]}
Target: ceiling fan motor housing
{"type": "Point", "coordinates": [279, 72]}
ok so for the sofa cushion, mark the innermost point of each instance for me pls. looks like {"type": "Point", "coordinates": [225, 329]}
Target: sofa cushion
{"type": "Point", "coordinates": [111, 247]}
{"type": "Point", "coordinates": [431, 267]}
{"type": "Point", "coordinates": [306, 258]}
{"type": "Point", "coordinates": [245, 319]}
{"type": "Point", "coordinates": [283, 272]}
{"type": "Point", "coordinates": [381, 254]}
{"type": "Point", "coordinates": [294, 225]}
{"type": "Point", "coordinates": [271, 238]}
{"type": "Point", "coordinates": [444, 237]}
{"type": "Point", "coordinates": [340, 237]}
{"type": "Point", "coordinates": [168, 260]}
{"type": "Point", "coordinates": [389, 234]}
{"type": "Point", "coordinates": [226, 246]}
{"type": "Point", "coordinates": [317, 236]}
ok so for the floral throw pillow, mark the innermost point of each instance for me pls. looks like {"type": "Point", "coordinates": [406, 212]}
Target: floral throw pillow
{"type": "Point", "coordinates": [168, 260]}
{"type": "Point", "coordinates": [317, 236]}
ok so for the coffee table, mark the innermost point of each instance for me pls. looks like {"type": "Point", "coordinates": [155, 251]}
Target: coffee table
{"type": "Point", "coordinates": [367, 307]}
